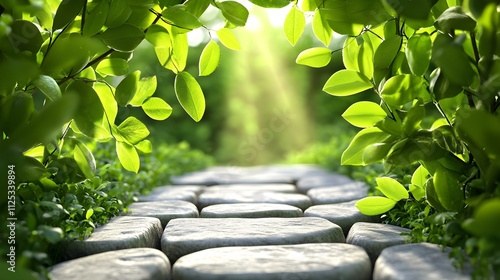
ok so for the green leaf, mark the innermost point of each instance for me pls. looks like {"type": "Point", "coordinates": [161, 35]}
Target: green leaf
{"type": "Point", "coordinates": [442, 86]}
{"type": "Point", "coordinates": [364, 114]}
{"type": "Point", "coordinates": [365, 58]}
{"type": "Point", "coordinates": [391, 188]}
{"type": "Point", "coordinates": [209, 59]}
{"type": "Point", "coordinates": [418, 53]}
{"type": "Point", "coordinates": [66, 12]}
{"type": "Point", "coordinates": [190, 95]}
{"type": "Point", "coordinates": [158, 36]}
{"type": "Point", "coordinates": [89, 213]}
{"type": "Point", "coordinates": [347, 82]}
{"type": "Point", "coordinates": [128, 156]}
{"type": "Point", "coordinates": [420, 176]}
{"type": "Point", "coordinates": [234, 12]}
{"type": "Point", "coordinates": [449, 55]}
{"type": "Point", "coordinates": [353, 155]}
{"type": "Point", "coordinates": [127, 88]}
{"type": "Point", "coordinates": [156, 108]}
{"type": "Point", "coordinates": [178, 16]}
{"type": "Point", "coordinates": [347, 13]}
{"type": "Point", "coordinates": [133, 130]}
{"type": "Point", "coordinates": [294, 25]}
{"type": "Point", "coordinates": [124, 38]}
{"type": "Point", "coordinates": [271, 3]}
{"type": "Point", "coordinates": [448, 190]}
{"type": "Point", "coordinates": [89, 117]}
{"type": "Point", "coordinates": [376, 152]}
{"type": "Point", "coordinates": [315, 57]}
{"type": "Point", "coordinates": [375, 205]}
{"type": "Point", "coordinates": [309, 5]}
{"type": "Point", "coordinates": [484, 222]}
{"type": "Point", "coordinates": [48, 86]}
{"type": "Point", "coordinates": [412, 120]}
{"type": "Point", "coordinates": [95, 19]}
{"type": "Point", "coordinates": [16, 111]}
{"type": "Point", "coordinates": [197, 7]}
{"type": "Point", "coordinates": [52, 234]}
{"type": "Point", "coordinates": [402, 89]}
{"type": "Point", "coordinates": [386, 52]}
{"type": "Point", "coordinates": [146, 87]}
{"type": "Point", "coordinates": [227, 38]}
{"type": "Point", "coordinates": [412, 9]}
{"type": "Point", "coordinates": [417, 191]}
{"type": "Point", "coordinates": [48, 123]}
{"type": "Point", "coordinates": [25, 36]}
{"type": "Point", "coordinates": [119, 12]}
{"type": "Point", "coordinates": [85, 159]}
{"type": "Point", "coordinates": [108, 101]}
{"type": "Point", "coordinates": [112, 67]}
{"type": "Point", "coordinates": [145, 146]}
{"type": "Point", "coordinates": [321, 29]}
{"type": "Point", "coordinates": [454, 18]}
{"type": "Point", "coordinates": [350, 53]}
{"type": "Point", "coordinates": [177, 62]}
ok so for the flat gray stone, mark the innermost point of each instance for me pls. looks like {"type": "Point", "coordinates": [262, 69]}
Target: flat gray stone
{"type": "Point", "coordinates": [304, 261]}
{"type": "Point", "coordinates": [180, 188]}
{"type": "Point", "coordinates": [257, 178]}
{"type": "Point", "coordinates": [211, 198]}
{"type": "Point", "coordinates": [416, 261]}
{"type": "Point", "coordinates": [344, 214]}
{"type": "Point", "coordinates": [120, 233]}
{"type": "Point", "coordinates": [375, 237]}
{"type": "Point", "coordinates": [205, 178]}
{"type": "Point", "coordinates": [320, 181]}
{"type": "Point", "coordinates": [250, 210]}
{"type": "Point", "coordinates": [185, 236]}
{"type": "Point", "coordinates": [127, 264]}
{"type": "Point", "coordinates": [285, 188]}
{"type": "Point", "coordinates": [185, 193]}
{"type": "Point", "coordinates": [338, 194]}
{"type": "Point", "coordinates": [164, 210]}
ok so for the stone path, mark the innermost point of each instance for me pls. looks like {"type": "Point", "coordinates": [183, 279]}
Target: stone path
{"type": "Point", "coordinates": [265, 222]}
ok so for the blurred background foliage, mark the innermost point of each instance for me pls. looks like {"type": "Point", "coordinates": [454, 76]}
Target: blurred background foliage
{"type": "Point", "coordinates": [261, 107]}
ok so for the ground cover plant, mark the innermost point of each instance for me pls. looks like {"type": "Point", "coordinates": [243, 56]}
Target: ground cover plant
{"type": "Point", "coordinates": [433, 65]}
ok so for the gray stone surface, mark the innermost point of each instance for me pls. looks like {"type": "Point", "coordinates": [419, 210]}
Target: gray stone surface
{"type": "Point", "coordinates": [338, 194]}
{"type": "Point", "coordinates": [127, 264]}
{"type": "Point", "coordinates": [164, 210]}
{"type": "Point", "coordinates": [186, 193]}
{"type": "Point", "coordinates": [231, 175]}
{"type": "Point", "coordinates": [185, 236]}
{"type": "Point", "coordinates": [206, 178]}
{"type": "Point", "coordinates": [120, 233]}
{"type": "Point", "coordinates": [416, 261]}
{"type": "Point", "coordinates": [257, 178]}
{"type": "Point", "coordinates": [344, 214]}
{"type": "Point", "coordinates": [306, 261]}
{"type": "Point", "coordinates": [250, 210]}
{"type": "Point", "coordinates": [285, 188]}
{"type": "Point", "coordinates": [211, 198]}
{"type": "Point", "coordinates": [374, 237]}
{"type": "Point", "coordinates": [320, 181]}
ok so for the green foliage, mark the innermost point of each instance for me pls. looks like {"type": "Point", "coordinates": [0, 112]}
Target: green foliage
{"type": "Point", "coordinates": [426, 62]}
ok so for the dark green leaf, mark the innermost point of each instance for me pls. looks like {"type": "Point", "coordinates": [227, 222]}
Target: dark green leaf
{"type": "Point", "coordinates": [48, 86]}
{"type": "Point", "coordinates": [119, 12]}
{"type": "Point", "coordinates": [448, 190]}
{"type": "Point", "coordinates": [127, 88]}
{"type": "Point", "coordinates": [442, 87]}
{"type": "Point", "coordinates": [412, 9]}
{"type": "Point", "coordinates": [347, 82]}
{"type": "Point", "coordinates": [95, 19]}
{"type": "Point", "coordinates": [17, 109]}
{"type": "Point", "coordinates": [234, 12]}
{"type": "Point", "coordinates": [197, 7]}
{"type": "Point", "coordinates": [431, 196]}
{"type": "Point", "coordinates": [386, 52]}
{"type": "Point", "coordinates": [418, 53]}
{"type": "Point", "coordinates": [479, 129]}
{"type": "Point", "coordinates": [484, 221]}
{"type": "Point", "coordinates": [359, 12]}
{"type": "Point", "coordinates": [25, 36]}
{"type": "Point", "coordinates": [66, 12]}
{"type": "Point", "coordinates": [123, 38]}
{"type": "Point", "coordinates": [450, 56]}
{"type": "Point", "coordinates": [454, 18]}
{"type": "Point", "coordinates": [412, 120]}
{"type": "Point", "coordinates": [271, 3]}
{"type": "Point", "coordinates": [190, 95]}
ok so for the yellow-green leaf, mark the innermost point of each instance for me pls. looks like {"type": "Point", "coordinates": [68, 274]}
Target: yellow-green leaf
{"type": "Point", "coordinates": [128, 156]}
{"type": "Point", "coordinates": [190, 95]}
{"type": "Point", "coordinates": [353, 155]}
{"type": "Point", "coordinates": [227, 38]}
{"type": "Point", "coordinates": [364, 114]}
{"type": "Point", "coordinates": [375, 205]}
{"type": "Point", "coordinates": [347, 82]}
{"type": "Point", "coordinates": [294, 25]}
{"type": "Point", "coordinates": [391, 188]}
{"type": "Point", "coordinates": [209, 59]}
{"type": "Point", "coordinates": [48, 86]}
{"type": "Point", "coordinates": [321, 29]}
{"type": "Point", "coordinates": [156, 108]}
{"type": "Point", "coordinates": [315, 57]}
